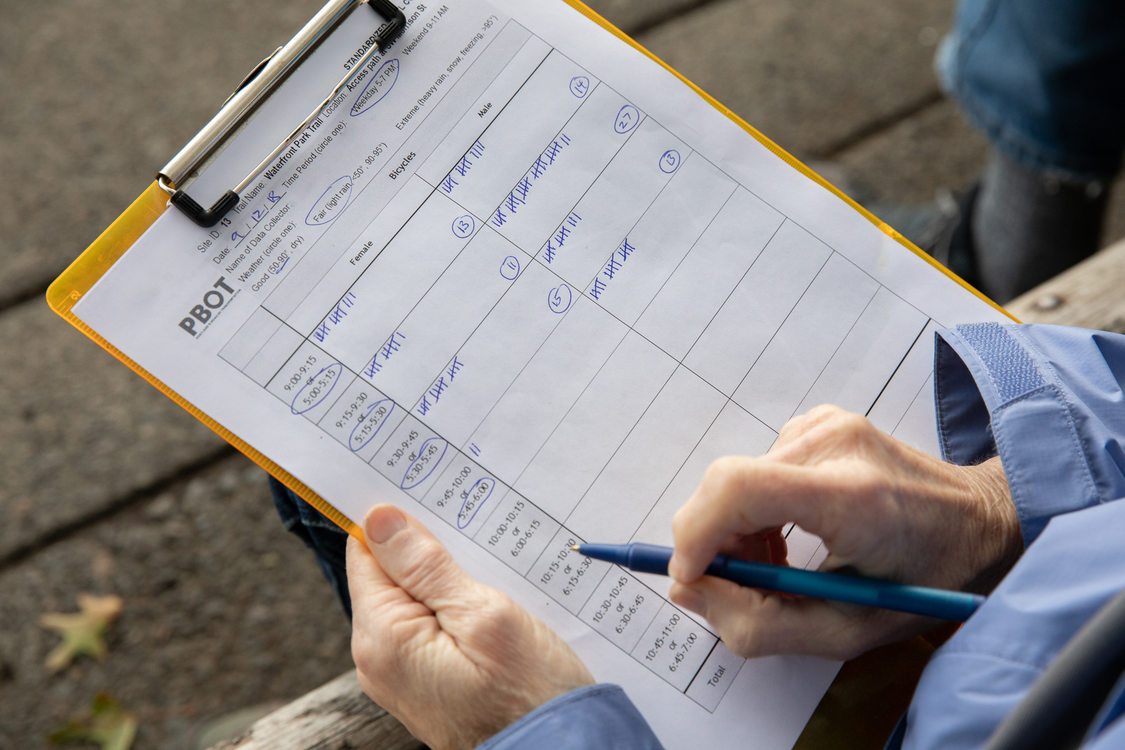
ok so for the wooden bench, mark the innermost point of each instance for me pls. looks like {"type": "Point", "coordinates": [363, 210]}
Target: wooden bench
{"type": "Point", "coordinates": [876, 687]}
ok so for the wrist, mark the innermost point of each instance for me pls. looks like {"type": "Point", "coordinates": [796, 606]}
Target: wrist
{"type": "Point", "coordinates": [1000, 541]}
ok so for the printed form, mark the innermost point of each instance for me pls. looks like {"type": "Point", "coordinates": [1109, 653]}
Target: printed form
{"type": "Point", "coordinates": [524, 282]}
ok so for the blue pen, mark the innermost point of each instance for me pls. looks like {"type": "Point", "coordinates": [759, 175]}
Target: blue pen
{"type": "Point", "coordinates": [919, 600]}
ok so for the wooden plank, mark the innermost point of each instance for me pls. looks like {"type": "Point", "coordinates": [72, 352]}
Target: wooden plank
{"type": "Point", "coordinates": [335, 716]}
{"type": "Point", "coordinates": [1089, 295]}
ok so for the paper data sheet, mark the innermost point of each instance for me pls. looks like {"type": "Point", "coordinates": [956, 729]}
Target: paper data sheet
{"type": "Point", "coordinates": [522, 281]}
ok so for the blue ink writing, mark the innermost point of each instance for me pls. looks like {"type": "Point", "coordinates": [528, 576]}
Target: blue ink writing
{"type": "Point", "coordinates": [394, 343]}
{"type": "Point", "coordinates": [473, 500]}
{"type": "Point", "coordinates": [316, 388]}
{"type": "Point", "coordinates": [670, 161]}
{"type": "Point", "coordinates": [510, 267]}
{"type": "Point", "coordinates": [559, 299]}
{"type": "Point", "coordinates": [429, 456]}
{"type": "Point", "coordinates": [462, 167]}
{"type": "Point", "coordinates": [438, 389]}
{"type": "Point", "coordinates": [559, 238]}
{"type": "Point", "coordinates": [518, 196]}
{"type": "Point", "coordinates": [369, 425]}
{"type": "Point", "coordinates": [615, 263]}
{"type": "Point", "coordinates": [597, 289]}
{"type": "Point", "coordinates": [463, 226]}
{"type": "Point", "coordinates": [611, 267]}
{"type": "Point", "coordinates": [338, 313]}
{"type": "Point", "coordinates": [627, 119]}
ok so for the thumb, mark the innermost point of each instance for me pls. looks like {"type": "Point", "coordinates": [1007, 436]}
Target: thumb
{"type": "Point", "coordinates": [413, 558]}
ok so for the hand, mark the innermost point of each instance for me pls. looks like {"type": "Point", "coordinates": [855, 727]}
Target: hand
{"type": "Point", "coordinates": [456, 661]}
{"type": "Point", "coordinates": [882, 509]}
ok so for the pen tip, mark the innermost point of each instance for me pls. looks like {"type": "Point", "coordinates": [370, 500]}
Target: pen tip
{"type": "Point", "coordinates": [575, 547]}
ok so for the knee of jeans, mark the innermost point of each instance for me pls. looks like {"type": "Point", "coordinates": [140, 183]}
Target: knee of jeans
{"type": "Point", "coordinates": [287, 505]}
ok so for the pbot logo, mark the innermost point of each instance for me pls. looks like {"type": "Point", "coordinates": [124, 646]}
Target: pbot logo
{"type": "Point", "coordinates": [202, 313]}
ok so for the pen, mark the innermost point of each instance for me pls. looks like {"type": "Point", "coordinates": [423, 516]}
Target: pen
{"type": "Point", "coordinates": [919, 600]}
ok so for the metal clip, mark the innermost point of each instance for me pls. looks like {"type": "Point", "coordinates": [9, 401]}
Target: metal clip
{"type": "Point", "coordinates": [258, 85]}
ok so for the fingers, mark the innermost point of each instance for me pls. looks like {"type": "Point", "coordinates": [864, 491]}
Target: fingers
{"type": "Point", "coordinates": [402, 582]}
{"type": "Point", "coordinates": [801, 424]}
{"type": "Point", "coordinates": [742, 496]}
{"type": "Point", "coordinates": [413, 559]}
{"type": "Point", "coordinates": [821, 465]}
{"type": "Point", "coordinates": [825, 433]}
{"type": "Point", "coordinates": [766, 546]}
{"type": "Point", "coordinates": [425, 634]}
{"type": "Point", "coordinates": [749, 621]}
{"type": "Point", "coordinates": [753, 623]}
{"type": "Point", "coordinates": [385, 620]}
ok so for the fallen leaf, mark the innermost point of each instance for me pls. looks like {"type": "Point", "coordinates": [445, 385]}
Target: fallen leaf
{"type": "Point", "coordinates": [109, 725]}
{"type": "Point", "coordinates": [81, 632]}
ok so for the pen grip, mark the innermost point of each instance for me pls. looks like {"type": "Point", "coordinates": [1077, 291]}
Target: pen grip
{"type": "Point", "coordinates": [947, 605]}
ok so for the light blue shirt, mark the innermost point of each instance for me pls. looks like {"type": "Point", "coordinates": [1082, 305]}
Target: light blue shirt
{"type": "Point", "coordinates": [1049, 401]}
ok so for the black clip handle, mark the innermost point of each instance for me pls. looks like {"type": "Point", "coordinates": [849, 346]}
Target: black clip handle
{"type": "Point", "coordinates": [204, 217]}
{"type": "Point", "coordinates": [395, 22]}
{"type": "Point", "coordinates": [393, 26]}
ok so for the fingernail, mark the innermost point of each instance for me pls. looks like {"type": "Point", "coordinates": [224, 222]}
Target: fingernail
{"type": "Point", "coordinates": [383, 522]}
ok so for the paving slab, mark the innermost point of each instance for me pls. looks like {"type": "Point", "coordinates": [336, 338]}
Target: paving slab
{"type": "Point", "coordinates": [96, 97]}
{"type": "Point", "coordinates": [935, 149]}
{"type": "Point", "coordinates": [222, 611]}
{"type": "Point", "coordinates": [809, 74]}
{"type": "Point", "coordinates": [80, 430]}
{"type": "Point", "coordinates": [633, 15]}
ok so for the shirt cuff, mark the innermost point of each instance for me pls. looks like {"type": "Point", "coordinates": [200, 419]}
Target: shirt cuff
{"type": "Point", "coordinates": [996, 394]}
{"type": "Point", "coordinates": [594, 716]}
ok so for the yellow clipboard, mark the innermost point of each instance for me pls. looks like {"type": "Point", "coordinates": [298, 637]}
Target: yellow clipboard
{"type": "Point", "coordinates": [169, 190]}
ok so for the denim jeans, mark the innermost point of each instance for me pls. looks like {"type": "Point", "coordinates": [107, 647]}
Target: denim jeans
{"type": "Point", "coordinates": [1044, 79]}
{"type": "Point", "coordinates": [324, 538]}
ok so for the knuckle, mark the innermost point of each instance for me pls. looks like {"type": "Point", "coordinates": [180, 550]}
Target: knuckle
{"type": "Point", "coordinates": [719, 481]}
{"type": "Point", "coordinates": [742, 638]}
{"type": "Point", "coordinates": [724, 477]}
{"type": "Point", "coordinates": [850, 423]}
{"type": "Point", "coordinates": [869, 477]}
{"type": "Point", "coordinates": [364, 654]}
{"type": "Point", "coordinates": [824, 411]}
{"type": "Point", "coordinates": [427, 566]}
{"type": "Point", "coordinates": [495, 620]}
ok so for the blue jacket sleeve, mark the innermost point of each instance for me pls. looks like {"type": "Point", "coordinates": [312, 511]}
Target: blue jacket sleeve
{"type": "Point", "coordinates": [595, 716]}
{"type": "Point", "coordinates": [1049, 401]}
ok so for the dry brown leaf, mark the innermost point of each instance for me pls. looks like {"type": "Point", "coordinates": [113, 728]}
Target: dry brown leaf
{"type": "Point", "coordinates": [82, 631]}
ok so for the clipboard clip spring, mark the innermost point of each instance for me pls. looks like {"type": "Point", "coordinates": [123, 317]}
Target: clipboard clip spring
{"type": "Point", "coordinates": [258, 85]}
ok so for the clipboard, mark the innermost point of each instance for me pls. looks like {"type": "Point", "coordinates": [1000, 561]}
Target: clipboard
{"type": "Point", "coordinates": [172, 189]}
